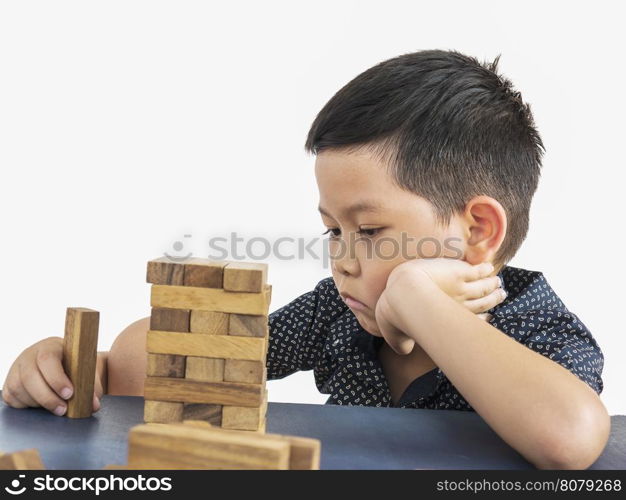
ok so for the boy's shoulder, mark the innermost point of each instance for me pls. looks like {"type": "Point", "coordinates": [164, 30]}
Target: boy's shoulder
{"type": "Point", "coordinates": [527, 291]}
{"type": "Point", "coordinates": [534, 315]}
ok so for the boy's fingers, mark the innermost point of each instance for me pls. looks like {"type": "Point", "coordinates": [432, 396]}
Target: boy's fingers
{"type": "Point", "coordinates": [50, 364]}
{"type": "Point", "coordinates": [481, 288]}
{"type": "Point", "coordinates": [479, 271]}
{"type": "Point", "coordinates": [484, 316]}
{"type": "Point", "coordinates": [9, 398]}
{"type": "Point", "coordinates": [97, 387]}
{"type": "Point", "coordinates": [20, 394]}
{"type": "Point", "coordinates": [485, 303]}
{"type": "Point", "coordinates": [96, 403]}
{"type": "Point", "coordinates": [38, 389]}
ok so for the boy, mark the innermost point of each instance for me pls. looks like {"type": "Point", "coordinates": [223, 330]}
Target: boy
{"type": "Point", "coordinates": [432, 159]}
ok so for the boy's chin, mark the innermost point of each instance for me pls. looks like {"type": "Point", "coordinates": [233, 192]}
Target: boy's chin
{"type": "Point", "coordinates": [370, 327]}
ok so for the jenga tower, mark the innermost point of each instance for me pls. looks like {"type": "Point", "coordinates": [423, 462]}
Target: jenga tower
{"type": "Point", "coordinates": [207, 343]}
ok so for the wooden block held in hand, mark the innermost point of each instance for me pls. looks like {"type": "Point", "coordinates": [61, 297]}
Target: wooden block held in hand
{"type": "Point", "coordinates": [163, 271]}
{"type": "Point", "coordinates": [172, 320]}
{"type": "Point", "coordinates": [166, 365]}
{"type": "Point", "coordinates": [240, 370]}
{"type": "Point", "coordinates": [247, 325]}
{"type": "Point", "coordinates": [206, 369]}
{"type": "Point", "coordinates": [204, 273]}
{"type": "Point", "coordinates": [195, 391]}
{"type": "Point", "coordinates": [209, 346]}
{"type": "Point", "coordinates": [245, 277]}
{"type": "Point", "coordinates": [21, 460]}
{"type": "Point", "coordinates": [79, 358]}
{"type": "Point", "coordinates": [179, 446]}
{"type": "Point", "coordinates": [162, 411]}
{"type": "Point", "coordinates": [207, 413]}
{"type": "Point", "coordinates": [209, 322]}
{"type": "Point", "coordinates": [209, 299]}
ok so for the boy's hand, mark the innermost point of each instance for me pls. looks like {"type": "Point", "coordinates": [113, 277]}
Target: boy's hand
{"type": "Point", "coordinates": [470, 285]}
{"type": "Point", "coordinates": [37, 378]}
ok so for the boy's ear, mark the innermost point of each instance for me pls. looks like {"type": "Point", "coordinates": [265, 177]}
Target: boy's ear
{"type": "Point", "coordinates": [485, 224]}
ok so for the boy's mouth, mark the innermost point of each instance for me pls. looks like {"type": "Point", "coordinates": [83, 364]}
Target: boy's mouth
{"type": "Point", "coordinates": [353, 303]}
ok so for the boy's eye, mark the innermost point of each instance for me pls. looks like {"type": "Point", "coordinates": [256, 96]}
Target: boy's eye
{"type": "Point", "coordinates": [370, 231]}
{"type": "Point", "coordinates": [331, 230]}
{"type": "Point", "coordinates": [366, 232]}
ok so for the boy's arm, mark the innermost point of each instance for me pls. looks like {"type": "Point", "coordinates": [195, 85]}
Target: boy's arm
{"type": "Point", "coordinates": [122, 370]}
{"type": "Point", "coordinates": [541, 409]}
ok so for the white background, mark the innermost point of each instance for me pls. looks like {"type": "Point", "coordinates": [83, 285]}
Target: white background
{"type": "Point", "coordinates": [125, 125]}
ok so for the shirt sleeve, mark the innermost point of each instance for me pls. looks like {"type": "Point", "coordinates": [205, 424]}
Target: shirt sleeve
{"type": "Point", "coordinates": [298, 330]}
{"type": "Point", "coordinates": [562, 337]}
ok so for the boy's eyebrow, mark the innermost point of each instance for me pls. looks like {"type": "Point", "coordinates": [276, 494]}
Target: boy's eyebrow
{"type": "Point", "coordinates": [362, 206]}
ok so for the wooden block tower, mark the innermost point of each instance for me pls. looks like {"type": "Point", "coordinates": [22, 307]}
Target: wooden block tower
{"type": "Point", "coordinates": [207, 343]}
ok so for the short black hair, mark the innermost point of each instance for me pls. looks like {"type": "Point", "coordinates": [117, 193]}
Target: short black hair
{"type": "Point", "coordinates": [449, 127]}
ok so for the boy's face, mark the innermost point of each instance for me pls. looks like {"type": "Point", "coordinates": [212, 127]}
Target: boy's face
{"type": "Point", "coordinates": [366, 244]}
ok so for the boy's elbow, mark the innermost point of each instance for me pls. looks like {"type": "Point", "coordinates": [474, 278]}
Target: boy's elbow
{"type": "Point", "coordinates": [579, 442]}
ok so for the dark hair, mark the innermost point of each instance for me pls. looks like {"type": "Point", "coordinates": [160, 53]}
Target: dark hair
{"type": "Point", "coordinates": [449, 128]}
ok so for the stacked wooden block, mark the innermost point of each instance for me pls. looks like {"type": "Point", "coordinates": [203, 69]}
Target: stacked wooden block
{"type": "Point", "coordinates": [198, 445]}
{"type": "Point", "coordinates": [207, 343]}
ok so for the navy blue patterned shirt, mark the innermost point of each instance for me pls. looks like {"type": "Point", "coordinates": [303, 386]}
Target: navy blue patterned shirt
{"type": "Point", "coordinates": [318, 331]}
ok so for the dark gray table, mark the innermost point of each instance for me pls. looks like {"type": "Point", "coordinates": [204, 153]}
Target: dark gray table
{"type": "Point", "coordinates": [352, 437]}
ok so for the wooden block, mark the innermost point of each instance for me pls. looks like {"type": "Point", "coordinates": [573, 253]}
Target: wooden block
{"type": "Point", "coordinates": [246, 325]}
{"type": "Point", "coordinates": [209, 322]}
{"type": "Point", "coordinates": [80, 346]}
{"type": "Point", "coordinates": [162, 411]}
{"type": "Point", "coordinates": [172, 320]}
{"type": "Point", "coordinates": [163, 271]}
{"type": "Point", "coordinates": [207, 369]}
{"type": "Point", "coordinates": [166, 365]}
{"type": "Point", "coordinates": [305, 452]}
{"type": "Point", "coordinates": [245, 277]}
{"type": "Point", "coordinates": [194, 391]}
{"type": "Point", "coordinates": [204, 273]}
{"type": "Point", "coordinates": [242, 418]}
{"type": "Point", "coordinates": [188, 447]}
{"type": "Point", "coordinates": [209, 346]}
{"type": "Point", "coordinates": [251, 372]}
{"type": "Point", "coordinates": [21, 460]}
{"type": "Point", "coordinates": [209, 299]}
{"type": "Point", "coordinates": [197, 423]}
{"type": "Point", "coordinates": [202, 412]}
